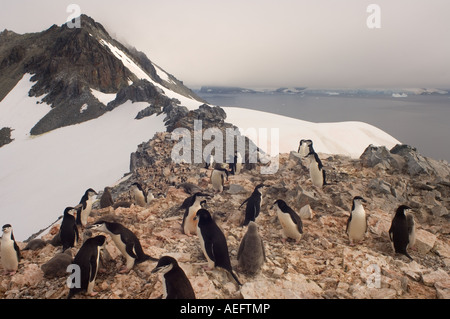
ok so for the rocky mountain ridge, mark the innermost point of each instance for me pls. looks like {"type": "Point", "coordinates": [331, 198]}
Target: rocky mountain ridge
{"type": "Point", "coordinates": [321, 265]}
{"type": "Point", "coordinates": [67, 63]}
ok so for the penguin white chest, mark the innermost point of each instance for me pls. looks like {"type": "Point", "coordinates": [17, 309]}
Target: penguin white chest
{"type": "Point", "coordinates": [316, 174]}
{"type": "Point", "coordinates": [290, 229]}
{"type": "Point", "coordinates": [217, 180]}
{"type": "Point", "coordinates": [139, 198]}
{"type": "Point", "coordinates": [9, 255]}
{"type": "Point", "coordinates": [357, 226]}
{"type": "Point", "coordinates": [190, 225]}
{"type": "Point", "coordinates": [86, 212]}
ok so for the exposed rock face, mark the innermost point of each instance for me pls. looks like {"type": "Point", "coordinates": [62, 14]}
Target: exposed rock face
{"type": "Point", "coordinates": [5, 136]}
{"type": "Point", "coordinates": [321, 265]}
{"type": "Point", "coordinates": [404, 158]}
{"type": "Point", "coordinates": [67, 63]}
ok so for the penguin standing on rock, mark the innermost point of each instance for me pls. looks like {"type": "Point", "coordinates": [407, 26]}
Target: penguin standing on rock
{"type": "Point", "coordinates": [400, 232]}
{"type": "Point", "coordinates": [213, 243]}
{"type": "Point", "coordinates": [316, 171]}
{"type": "Point", "coordinates": [357, 221]}
{"type": "Point", "coordinates": [87, 259]}
{"type": "Point", "coordinates": [253, 204]}
{"type": "Point", "coordinates": [85, 206]}
{"type": "Point", "coordinates": [218, 176]}
{"type": "Point", "coordinates": [192, 205]}
{"type": "Point", "coordinates": [251, 254]}
{"type": "Point", "coordinates": [175, 282]}
{"type": "Point", "coordinates": [126, 241]}
{"type": "Point", "coordinates": [140, 196]}
{"type": "Point", "coordinates": [290, 222]}
{"type": "Point", "coordinates": [69, 231]}
{"type": "Point", "coordinates": [10, 251]}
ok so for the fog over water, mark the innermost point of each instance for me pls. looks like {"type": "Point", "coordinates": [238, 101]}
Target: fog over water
{"type": "Point", "coordinates": [421, 121]}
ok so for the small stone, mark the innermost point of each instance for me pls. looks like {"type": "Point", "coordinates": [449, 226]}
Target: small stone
{"type": "Point", "coordinates": [424, 241]}
{"type": "Point", "coordinates": [278, 272]}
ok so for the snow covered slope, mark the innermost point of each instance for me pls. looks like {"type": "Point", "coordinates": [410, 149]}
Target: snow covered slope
{"type": "Point", "coordinates": [41, 175]}
{"type": "Point", "coordinates": [346, 138]}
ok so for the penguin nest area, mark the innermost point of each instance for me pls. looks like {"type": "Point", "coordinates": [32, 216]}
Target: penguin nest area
{"type": "Point", "coordinates": [322, 264]}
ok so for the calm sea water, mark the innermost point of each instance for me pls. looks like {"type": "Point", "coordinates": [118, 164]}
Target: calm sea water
{"type": "Point", "coordinates": [422, 121]}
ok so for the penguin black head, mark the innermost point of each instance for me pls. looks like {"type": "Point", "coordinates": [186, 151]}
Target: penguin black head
{"type": "Point", "coordinates": [165, 264]}
{"type": "Point", "coordinates": [70, 211]}
{"type": "Point", "coordinates": [99, 225]}
{"type": "Point", "coordinates": [260, 186]}
{"type": "Point", "coordinates": [402, 210]}
{"type": "Point", "coordinates": [200, 194]}
{"type": "Point", "coordinates": [7, 228]}
{"type": "Point", "coordinates": [90, 192]}
{"type": "Point", "coordinates": [99, 240]}
{"type": "Point", "coordinates": [358, 199]}
{"type": "Point", "coordinates": [203, 216]}
{"type": "Point", "coordinates": [281, 204]}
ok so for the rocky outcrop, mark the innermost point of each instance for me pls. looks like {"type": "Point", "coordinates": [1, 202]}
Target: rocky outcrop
{"type": "Point", "coordinates": [5, 136]}
{"type": "Point", "coordinates": [404, 158]}
{"type": "Point", "coordinates": [321, 265]}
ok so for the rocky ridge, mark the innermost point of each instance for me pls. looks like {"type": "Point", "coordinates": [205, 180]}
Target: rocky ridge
{"type": "Point", "coordinates": [321, 265]}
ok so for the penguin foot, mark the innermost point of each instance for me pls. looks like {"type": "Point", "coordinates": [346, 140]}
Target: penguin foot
{"type": "Point", "coordinates": [124, 270]}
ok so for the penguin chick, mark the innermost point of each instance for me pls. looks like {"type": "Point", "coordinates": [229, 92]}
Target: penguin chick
{"type": "Point", "coordinates": [291, 223]}
{"type": "Point", "coordinates": [175, 282]}
{"type": "Point", "coordinates": [213, 243]}
{"type": "Point", "coordinates": [85, 206]}
{"type": "Point", "coordinates": [192, 205]}
{"type": "Point", "coordinates": [106, 199]}
{"type": "Point", "coordinates": [400, 233]}
{"type": "Point", "coordinates": [87, 259]}
{"type": "Point", "coordinates": [126, 241]}
{"type": "Point", "coordinates": [35, 244]}
{"type": "Point", "coordinates": [411, 229]}
{"type": "Point", "coordinates": [357, 221]}
{"type": "Point", "coordinates": [253, 204]}
{"type": "Point", "coordinates": [10, 252]}
{"type": "Point", "coordinates": [69, 230]}
{"type": "Point", "coordinates": [57, 266]}
{"type": "Point", "coordinates": [251, 254]}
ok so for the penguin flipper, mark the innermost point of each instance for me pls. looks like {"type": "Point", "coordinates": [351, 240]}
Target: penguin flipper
{"type": "Point", "coordinates": [17, 249]}
{"type": "Point", "coordinates": [92, 268]}
{"type": "Point", "coordinates": [348, 222]}
{"type": "Point", "coordinates": [129, 248]}
{"type": "Point", "coordinates": [245, 201]}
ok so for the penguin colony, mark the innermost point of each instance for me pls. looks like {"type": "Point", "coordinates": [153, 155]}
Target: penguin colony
{"type": "Point", "coordinates": [197, 221]}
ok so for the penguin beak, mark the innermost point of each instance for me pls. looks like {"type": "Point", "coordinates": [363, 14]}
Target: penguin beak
{"type": "Point", "coordinates": [156, 269]}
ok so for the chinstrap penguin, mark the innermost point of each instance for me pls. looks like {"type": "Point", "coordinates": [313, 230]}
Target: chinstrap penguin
{"type": "Point", "coordinates": [316, 170]}
{"type": "Point", "coordinates": [140, 196]}
{"type": "Point", "coordinates": [85, 206]}
{"type": "Point", "coordinates": [213, 243]}
{"type": "Point", "coordinates": [10, 251]}
{"type": "Point", "coordinates": [126, 241]}
{"type": "Point", "coordinates": [357, 221]}
{"type": "Point", "coordinates": [291, 223]}
{"type": "Point", "coordinates": [251, 254]}
{"type": "Point", "coordinates": [69, 231]}
{"type": "Point", "coordinates": [87, 259]}
{"type": "Point", "coordinates": [253, 204]}
{"type": "Point", "coordinates": [218, 176]}
{"type": "Point", "coordinates": [400, 233]}
{"type": "Point", "coordinates": [192, 205]}
{"type": "Point", "coordinates": [176, 284]}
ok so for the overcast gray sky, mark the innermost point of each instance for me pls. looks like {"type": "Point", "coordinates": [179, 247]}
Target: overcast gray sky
{"type": "Point", "coordinates": [314, 43]}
